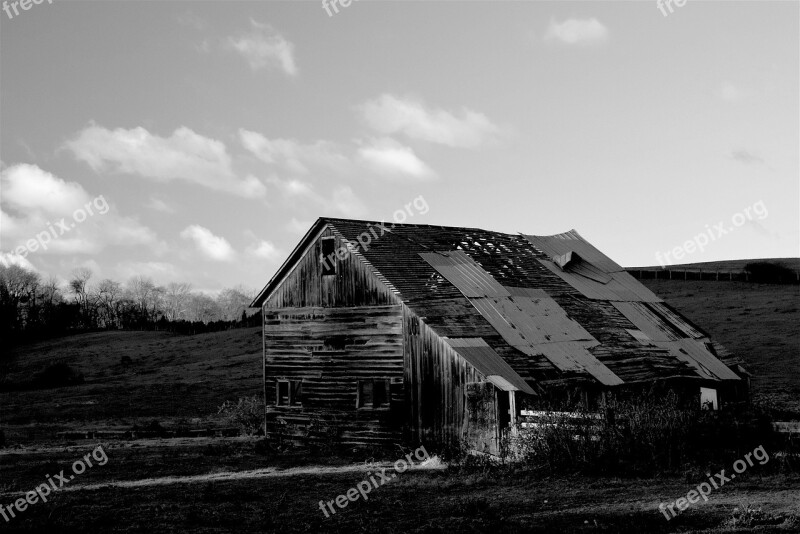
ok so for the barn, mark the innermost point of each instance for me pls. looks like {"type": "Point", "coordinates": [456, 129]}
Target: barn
{"type": "Point", "coordinates": [377, 333]}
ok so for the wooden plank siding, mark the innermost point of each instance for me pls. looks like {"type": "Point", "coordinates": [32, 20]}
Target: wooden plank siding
{"type": "Point", "coordinates": [437, 377]}
{"type": "Point", "coordinates": [354, 284]}
{"type": "Point", "coordinates": [330, 350]}
{"type": "Point", "coordinates": [330, 332]}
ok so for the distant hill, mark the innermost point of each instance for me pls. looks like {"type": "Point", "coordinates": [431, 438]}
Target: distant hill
{"type": "Point", "coordinates": [726, 265]}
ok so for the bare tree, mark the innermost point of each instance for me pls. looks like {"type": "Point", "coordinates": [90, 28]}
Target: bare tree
{"type": "Point", "coordinates": [50, 292]}
{"type": "Point", "coordinates": [18, 288]}
{"type": "Point", "coordinates": [108, 295]}
{"type": "Point", "coordinates": [141, 289]}
{"type": "Point", "coordinates": [233, 301]}
{"type": "Point", "coordinates": [78, 286]}
{"type": "Point", "coordinates": [176, 300]}
{"type": "Point", "coordinates": [203, 308]}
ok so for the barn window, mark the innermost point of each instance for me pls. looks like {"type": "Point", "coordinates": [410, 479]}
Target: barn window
{"type": "Point", "coordinates": [373, 393]}
{"type": "Point", "coordinates": [328, 255]}
{"type": "Point", "coordinates": [708, 399]}
{"type": "Point", "coordinates": [288, 392]}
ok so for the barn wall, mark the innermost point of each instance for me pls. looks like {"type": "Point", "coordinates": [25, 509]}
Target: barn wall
{"type": "Point", "coordinates": [436, 378]}
{"type": "Point", "coordinates": [329, 350]}
{"type": "Point", "coordinates": [355, 282]}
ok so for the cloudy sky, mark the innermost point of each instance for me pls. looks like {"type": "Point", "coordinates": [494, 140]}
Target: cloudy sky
{"type": "Point", "coordinates": [207, 136]}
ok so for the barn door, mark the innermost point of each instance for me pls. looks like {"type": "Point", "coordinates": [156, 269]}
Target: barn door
{"type": "Point", "coordinates": [480, 419]}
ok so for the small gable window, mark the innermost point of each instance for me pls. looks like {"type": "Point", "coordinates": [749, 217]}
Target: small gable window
{"type": "Point", "coordinates": [328, 255]}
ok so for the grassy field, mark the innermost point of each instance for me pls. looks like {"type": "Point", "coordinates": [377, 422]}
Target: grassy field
{"type": "Point", "coordinates": [758, 322]}
{"type": "Point", "coordinates": [222, 485]}
{"type": "Point", "coordinates": [130, 378]}
{"type": "Point", "coordinates": [226, 485]}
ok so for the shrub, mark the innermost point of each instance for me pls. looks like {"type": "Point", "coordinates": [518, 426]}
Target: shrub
{"type": "Point", "coordinates": [651, 433]}
{"type": "Point", "coordinates": [771, 273]}
{"type": "Point", "coordinates": [247, 414]}
{"type": "Point", "coordinates": [57, 375]}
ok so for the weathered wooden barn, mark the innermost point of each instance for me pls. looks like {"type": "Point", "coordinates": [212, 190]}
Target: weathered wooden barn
{"type": "Point", "coordinates": [384, 333]}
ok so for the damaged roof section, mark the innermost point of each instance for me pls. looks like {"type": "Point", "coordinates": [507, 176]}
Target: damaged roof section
{"type": "Point", "coordinates": [484, 358]}
{"type": "Point", "coordinates": [552, 308]}
{"type": "Point", "coordinates": [530, 321]}
{"type": "Point", "coordinates": [588, 270]}
{"type": "Point", "coordinates": [598, 277]}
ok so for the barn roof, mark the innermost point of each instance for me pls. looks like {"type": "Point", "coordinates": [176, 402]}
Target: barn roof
{"type": "Point", "coordinates": [550, 308]}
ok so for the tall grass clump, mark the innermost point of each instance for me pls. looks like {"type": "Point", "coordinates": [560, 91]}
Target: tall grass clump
{"type": "Point", "coordinates": [247, 414]}
{"type": "Point", "coordinates": [642, 434]}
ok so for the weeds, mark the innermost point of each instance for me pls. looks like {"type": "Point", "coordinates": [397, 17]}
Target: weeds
{"type": "Point", "coordinates": [247, 414]}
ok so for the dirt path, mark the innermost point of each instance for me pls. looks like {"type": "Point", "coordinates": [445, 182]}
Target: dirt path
{"type": "Point", "coordinates": [225, 476]}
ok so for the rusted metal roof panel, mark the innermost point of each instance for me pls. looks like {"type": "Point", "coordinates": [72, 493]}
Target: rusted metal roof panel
{"type": "Point", "coordinates": [696, 354]}
{"type": "Point", "coordinates": [574, 354]}
{"type": "Point", "coordinates": [676, 320]}
{"type": "Point", "coordinates": [621, 287]}
{"type": "Point", "coordinates": [523, 321]}
{"type": "Point", "coordinates": [645, 320]}
{"type": "Point", "coordinates": [640, 336]}
{"type": "Point", "coordinates": [483, 358]}
{"type": "Point", "coordinates": [561, 244]}
{"type": "Point", "coordinates": [462, 271]}
{"type": "Point", "coordinates": [536, 326]}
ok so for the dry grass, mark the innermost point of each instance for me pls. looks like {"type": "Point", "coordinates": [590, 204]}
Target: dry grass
{"type": "Point", "coordinates": [454, 500]}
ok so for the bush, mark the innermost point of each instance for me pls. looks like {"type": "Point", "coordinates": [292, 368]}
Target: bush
{"type": "Point", "coordinates": [770, 273]}
{"type": "Point", "coordinates": [644, 435]}
{"type": "Point", "coordinates": [56, 375]}
{"type": "Point", "coordinates": [247, 414]}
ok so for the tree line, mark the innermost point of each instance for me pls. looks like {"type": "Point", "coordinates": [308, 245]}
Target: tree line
{"type": "Point", "coordinates": [32, 306]}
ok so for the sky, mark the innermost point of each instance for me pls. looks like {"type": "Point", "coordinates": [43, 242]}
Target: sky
{"type": "Point", "coordinates": [198, 141]}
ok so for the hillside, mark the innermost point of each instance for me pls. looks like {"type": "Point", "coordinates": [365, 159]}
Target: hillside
{"type": "Point", "coordinates": [130, 378]}
{"type": "Point", "coordinates": [133, 378]}
{"type": "Point", "coordinates": [727, 265]}
{"type": "Point", "coordinates": [758, 322]}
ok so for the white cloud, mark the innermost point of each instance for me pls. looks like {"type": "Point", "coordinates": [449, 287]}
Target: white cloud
{"type": "Point", "coordinates": [60, 217]}
{"type": "Point", "coordinates": [262, 47]}
{"type": "Point", "coordinates": [294, 188]}
{"type": "Point", "coordinates": [346, 202]}
{"type": "Point", "coordinates": [212, 246]}
{"type": "Point", "coordinates": [185, 155]}
{"type": "Point", "coordinates": [291, 154]}
{"type": "Point", "coordinates": [8, 259]}
{"type": "Point", "coordinates": [159, 205]}
{"type": "Point", "coordinates": [160, 272]}
{"type": "Point", "coordinates": [731, 93]}
{"type": "Point", "coordinates": [27, 187]}
{"type": "Point", "coordinates": [264, 250]}
{"type": "Point", "coordinates": [342, 200]}
{"type": "Point", "coordinates": [390, 158]}
{"type": "Point", "coordinates": [297, 226]}
{"type": "Point", "coordinates": [389, 114]}
{"type": "Point", "coordinates": [577, 31]}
